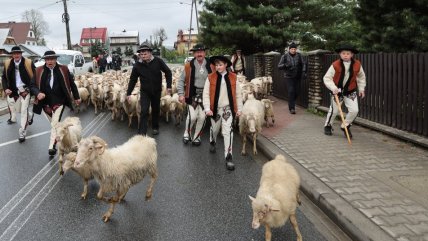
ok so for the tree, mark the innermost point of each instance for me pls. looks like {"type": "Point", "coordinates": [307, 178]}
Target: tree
{"type": "Point", "coordinates": [96, 48]}
{"type": "Point", "coordinates": [160, 36]}
{"type": "Point", "coordinates": [118, 51]}
{"type": "Point", "coordinates": [129, 51]}
{"type": "Point", "coordinates": [393, 26]}
{"type": "Point", "coordinates": [39, 26]}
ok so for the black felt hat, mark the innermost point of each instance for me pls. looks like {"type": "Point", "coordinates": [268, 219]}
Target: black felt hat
{"type": "Point", "coordinates": [347, 47]}
{"type": "Point", "coordinates": [293, 45]}
{"type": "Point", "coordinates": [50, 54]}
{"type": "Point", "coordinates": [16, 49]}
{"type": "Point", "coordinates": [144, 47]}
{"type": "Point", "coordinates": [199, 47]}
{"type": "Point", "coordinates": [221, 58]}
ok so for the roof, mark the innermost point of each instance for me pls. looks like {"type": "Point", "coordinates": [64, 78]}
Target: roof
{"type": "Point", "coordinates": [19, 31]}
{"type": "Point", "coordinates": [34, 50]}
{"type": "Point", "coordinates": [3, 34]}
{"type": "Point", "coordinates": [124, 33]}
{"type": "Point", "coordinates": [94, 33]}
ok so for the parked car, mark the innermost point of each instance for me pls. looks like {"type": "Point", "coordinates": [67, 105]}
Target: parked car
{"type": "Point", "coordinates": [188, 59]}
{"type": "Point", "coordinates": [73, 59]}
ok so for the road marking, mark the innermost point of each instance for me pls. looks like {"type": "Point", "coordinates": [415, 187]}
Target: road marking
{"type": "Point", "coordinates": [17, 199]}
{"type": "Point", "coordinates": [28, 137]}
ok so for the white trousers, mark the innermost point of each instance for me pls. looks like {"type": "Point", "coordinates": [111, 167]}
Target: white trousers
{"type": "Point", "coordinates": [19, 105]}
{"type": "Point", "coordinates": [194, 116]}
{"type": "Point", "coordinates": [223, 120]}
{"type": "Point", "coordinates": [56, 117]}
{"type": "Point", "coordinates": [351, 103]}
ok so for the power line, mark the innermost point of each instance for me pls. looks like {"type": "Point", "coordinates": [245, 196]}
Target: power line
{"type": "Point", "coordinates": [44, 6]}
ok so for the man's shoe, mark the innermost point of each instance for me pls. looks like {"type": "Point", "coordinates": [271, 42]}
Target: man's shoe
{"type": "Point", "coordinates": [349, 131]}
{"type": "Point", "coordinates": [22, 134]}
{"type": "Point", "coordinates": [52, 152]}
{"type": "Point", "coordinates": [155, 132]}
{"type": "Point", "coordinates": [229, 164]}
{"type": "Point", "coordinates": [328, 130]}
{"type": "Point", "coordinates": [186, 139]}
{"type": "Point", "coordinates": [212, 147]}
{"type": "Point", "coordinates": [197, 142]}
{"type": "Point", "coordinates": [30, 121]}
{"type": "Point", "coordinates": [293, 111]}
{"type": "Point", "coordinates": [9, 122]}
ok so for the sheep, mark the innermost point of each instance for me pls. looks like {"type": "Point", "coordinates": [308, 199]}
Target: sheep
{"type": "Point", "coordinates": [67, 135]}
{"type": "Point", "coordinates": [277, 197]}
{"type": "Point", "coordinates": [177, 109]}
{"type": "Point", "coordinates": [165, 102]}
{"type": "Point", "coordinates": [130, 107]}
{"type": "Point", "coordinates": [251, 121]}
{"type": "Point", "coordinates": [84, 171]}
{"type": "Point", "coordinates": [84, 96]}
{"type": "Point", "coordinates": [268, 104]}
{"type": "Point", "coordinates": [117, 169]}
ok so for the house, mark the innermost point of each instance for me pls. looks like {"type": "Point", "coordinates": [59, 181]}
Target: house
{"type": "Point", "coordinates": [91, 36]}
{"type": "Point", "coordinates": [123, 40]}
{"type": "Point", "coordinates": [22, 32]}
{"type": "Point", "coordinates": [182, 44]}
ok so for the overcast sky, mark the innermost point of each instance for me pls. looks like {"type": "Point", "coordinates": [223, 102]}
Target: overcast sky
{"type": "Point", "coordinates": [142, 15]}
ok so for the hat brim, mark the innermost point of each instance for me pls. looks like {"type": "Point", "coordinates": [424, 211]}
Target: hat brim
{"type": "Point", "coordinates": [50, 56]}
{"type": "Point", "coordinates": [16, 51]}
{"type": "Point", "coordinates": [221, 58]}
{"type": "Point", "coordinates": [199, 49]}
{"type": "Point", "coordinates": [144, 49]}
{"type": "Point", "coordinates": [353, 50]}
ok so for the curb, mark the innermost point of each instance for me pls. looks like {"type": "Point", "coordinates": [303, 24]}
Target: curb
{"type": "Point", "coordinates": [349, 219]}
{"type": "Point", "coordinates": [4, 111]}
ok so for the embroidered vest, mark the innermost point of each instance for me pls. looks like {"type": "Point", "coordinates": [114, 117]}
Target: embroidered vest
{"type": "Point", "coordinates": [214, 99]}
{"type": "Point", "coordinates": [339, 74]}
{"type": "Point", "coordinates": [189, 78]}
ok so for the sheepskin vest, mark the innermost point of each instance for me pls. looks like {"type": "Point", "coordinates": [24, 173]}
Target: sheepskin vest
{"type": "Point", "coordinates": [230, 79]}
{"type": "Point", "coordinates": [189, 79]}
{"type": "Point", "coordinates": [25, 71]}
{"type": "Point", "coordinates": [339, 75]}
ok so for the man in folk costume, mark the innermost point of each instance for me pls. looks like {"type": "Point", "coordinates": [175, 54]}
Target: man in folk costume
{"type": "Point", "coordinates": [345, 78]}
{"type": "Point", "coordinates": [222, 101]}
{"type": "Point", "coordinates": [16, 80]}
{"type": "Point", "coordinates": [238, 62]}
{"type": "Point", "coordinates": [190, 87]}
{"type": "Point", "coordinates": [54, 87]}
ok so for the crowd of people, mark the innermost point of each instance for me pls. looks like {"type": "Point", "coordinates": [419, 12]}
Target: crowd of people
{"type": "Point", "coordinates": [207, 85]}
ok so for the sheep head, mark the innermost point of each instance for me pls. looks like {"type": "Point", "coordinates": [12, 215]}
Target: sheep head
{"type": "Point", "coordinates": [251, 122]}
{"type": "Point", "coordinates": [69, 159]}
{"type": "Point", "coordinates": [61, 130]}
{"type": "Point", "coordinates": [261, 211]}
{"type": "Point", "coordinates": [89, 149]}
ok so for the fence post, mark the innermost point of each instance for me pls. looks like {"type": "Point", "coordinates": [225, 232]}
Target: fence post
{"type": "Point", "coordinates": [315, 75]}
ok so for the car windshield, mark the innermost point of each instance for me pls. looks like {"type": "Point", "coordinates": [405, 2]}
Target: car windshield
{"type": "Point", "coordinates": [65, 59]}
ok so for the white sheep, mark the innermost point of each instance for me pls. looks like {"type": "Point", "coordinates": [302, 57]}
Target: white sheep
{"type": "Point", "coordinates": [177, 109]}
{"type": "Point", "coordinates": [84, 171]}
{"type": "Point", "coordinates": [269, 113]}
{"type": "Point", "coordinates": [277, 197]}
{"type": "Point", "coordinates": [117, 169]}
{"type": "Point", "coordinates": [67, 134]}
{"type": "Point", "coordinates": [84, 96]}
{"type": "Point", "coordinates": [251, 121]}
{"type": "Point", "coordinates": [165, 103]}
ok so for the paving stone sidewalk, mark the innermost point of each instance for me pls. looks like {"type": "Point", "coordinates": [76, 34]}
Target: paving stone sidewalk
{"type": "Point", "coordinates": [382, 181]}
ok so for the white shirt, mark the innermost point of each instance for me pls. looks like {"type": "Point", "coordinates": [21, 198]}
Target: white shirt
{"type": "Point", "coordinates": [223, 99]}
{"type": "Point", "coordinates": [51, 81]}
{"type": "Point", "coordinates": [18, 79]}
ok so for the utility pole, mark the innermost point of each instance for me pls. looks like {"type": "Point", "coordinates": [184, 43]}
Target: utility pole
{"type": "Point", "coordinates": [197, 18]}
{"type": "Point", "coordinates": [190, 29]}
{"type": "Point", "coordinates": [66, 19]}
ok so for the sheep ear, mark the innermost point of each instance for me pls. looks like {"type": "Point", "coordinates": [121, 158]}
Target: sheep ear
{"type": "Point", "coordinates": [273, 210]}
{"type": "Point", "coordinates": [100, 144]}
{"type": "Point", "coordinates": [252, 199]}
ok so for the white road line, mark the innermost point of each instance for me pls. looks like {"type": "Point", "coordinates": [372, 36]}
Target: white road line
{"type": "Point", "coordinates": [28, 137]}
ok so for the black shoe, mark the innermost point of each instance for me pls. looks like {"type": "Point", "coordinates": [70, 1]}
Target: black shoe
{"type": "Point", "coordinates": [328, 130]}
{"type": "Point", "coordinates": [293, 111]}
{"type": "Point", "coordinates": [21, 139]}
{"type": "Point", "coordinates": [229, 164]}
{"type": "Point", "coordinates": [52, 152]}
{"type": "Point", "coordinates": [9, 122]}
{"type": "Point", "coordinates": [186, 140]}
{"type": "Point", "coordinates": [196, 142]}
{"type": "Point", "coordinates": [30, 121]}
{"type": "Point", "coordinates": [212, 147]}
{"type": "Point", "coordinates": [155, 132]}
{"type": "Point", "coordinates": [349, 131]}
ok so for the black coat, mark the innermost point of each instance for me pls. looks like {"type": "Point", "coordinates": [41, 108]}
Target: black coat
{"type": "Point", "coordinates": [293, 65]}
{"type": "Point", "coordinates": [8, 76]}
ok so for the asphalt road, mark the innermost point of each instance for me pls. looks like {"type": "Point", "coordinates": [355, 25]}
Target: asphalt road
{"type": "Point", "coordinates": [194, 198]}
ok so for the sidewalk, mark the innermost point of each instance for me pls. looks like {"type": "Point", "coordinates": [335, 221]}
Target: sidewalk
{"type": "Point", "coordinates": [376, 189]}
{"type": "Point", "coordinates": [3, 106]}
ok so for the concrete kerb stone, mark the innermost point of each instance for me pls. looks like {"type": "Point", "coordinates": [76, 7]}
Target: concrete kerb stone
{"type": "Point", "coordinates": [350, 220]}
{"type": "Point", "coordinates": [4, 111]}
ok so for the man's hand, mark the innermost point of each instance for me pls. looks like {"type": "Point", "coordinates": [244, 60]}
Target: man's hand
{"type": "Point", "coordinates": [41, 96]}
{"type": "Point", "coordinates": [238, 114]}
{"type": "Point", "coordinates": [209, 113]}
{"type": "Point", "coordinates": [336, 91]}
{"type": "Point", "coordinates": [78, 101]}
{"type": "Point", "coordinates": [362, 94]}
{"type": "Point", "coordinates": [8, 92]}
{"type": "Point", "coordinates": [182, 99]}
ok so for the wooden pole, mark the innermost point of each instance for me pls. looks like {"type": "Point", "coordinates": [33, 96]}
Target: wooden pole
{"type": "Point", "coordinates": [343, 119]}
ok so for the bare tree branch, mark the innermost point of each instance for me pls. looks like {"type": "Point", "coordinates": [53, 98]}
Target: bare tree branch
{"type": "Point", "coordinates": [39, 26]}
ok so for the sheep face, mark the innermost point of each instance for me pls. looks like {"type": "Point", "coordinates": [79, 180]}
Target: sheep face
{"type": "Point", "coordinates": [261, 212]}
{"type": "Point", "coordinates": [89, 149]}
{"type": "Point", "coordinates": [251, 123]}
{"type": "Point", "coordinates": [61, 131]}
{"type": "Point", "coordinates": [69, 161]}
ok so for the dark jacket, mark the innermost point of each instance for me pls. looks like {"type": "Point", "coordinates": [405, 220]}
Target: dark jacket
{"type": "Point", "coordinates": [150, 75]}
{"type": "Point", "coordinates": [8, 76]}
{"type": "Point", "coordinates": [293, 66]}
{"type": "Point", "coordinates": [61, 94]}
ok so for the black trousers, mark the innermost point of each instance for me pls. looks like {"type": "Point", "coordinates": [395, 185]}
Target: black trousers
{"type": "Point", "coordinates": [293, 91]}
{"type": "Point", "coordinates": [147, 100]}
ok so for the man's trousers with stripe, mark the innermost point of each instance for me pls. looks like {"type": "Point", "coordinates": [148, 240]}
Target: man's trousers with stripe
{"type": "Point", "coordinates": [223, 120]}
{"type": "Point", "coordinates": [351, 103]}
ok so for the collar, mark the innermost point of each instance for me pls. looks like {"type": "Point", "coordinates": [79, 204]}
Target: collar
{"type": "Point", "coordinates": [18, 62]}
{"type": "Point", "coordinates": [151, 59]}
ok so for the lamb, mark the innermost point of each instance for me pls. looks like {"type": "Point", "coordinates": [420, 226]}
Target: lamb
{"type": "Point", "coordinates": [177, 109]}
{"type": "Point", "coordinates": [268, 104]}
{"type": "Point", "coordinates": [277, 197]}
{"type": "Point", "coordinates": [165, 102]}
{"type": "Point", "coordinates": [251, 121]}
{"type": "Point", "coordinates": [84, 96]}
{"type": "Point", "coordinates": [117, 169]}
{"type": "Point", "coordinates": [84, 171]}
{"type": "Point", "coordinates": [67, 134]}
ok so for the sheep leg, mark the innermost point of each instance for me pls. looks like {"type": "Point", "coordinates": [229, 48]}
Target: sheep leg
{"type": "Point", "coordinates": [244, 141]}
{"type": "Point", "coordinates": [267, 121]}
{"type": "Point", "coordinates": [149, 191]}
{"type": "Point", "coordinates": [293, 222]}
{"type": "Point", "coordinates": [122, 194]}
{"type": "Point", "coordinates": [254, 144]}
{"type": "Point", "coordinates": [60, 161]}
{"type": "Point", "coordinates": [85, 189]}
{"type": "Point", "coordinates": [273, 119]}
{"type": "Point", "coordinates": [100, 193]}
{"type": "Point", "coordinates": [298, 199]}
{"type": "Point", "coordinates": [110, 211]}
{"type": "Point", "coordinates": [268, 234]}
{"type": "Point", "coordinates": [129, 120]}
